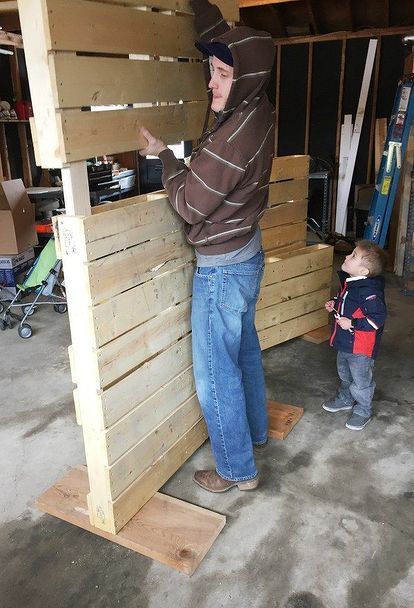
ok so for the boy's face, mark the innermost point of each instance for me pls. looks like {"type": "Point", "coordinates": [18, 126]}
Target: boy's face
{"type": "Point", "coordinates": [354, 264]}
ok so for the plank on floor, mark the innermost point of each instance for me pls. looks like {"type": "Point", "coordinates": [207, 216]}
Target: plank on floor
{"type": "Point", "coordinates": [166, 529]}
{"type": "Point", "coordinates": [319, 335]}
{"type": "Point", "coordinates": [282, 418]}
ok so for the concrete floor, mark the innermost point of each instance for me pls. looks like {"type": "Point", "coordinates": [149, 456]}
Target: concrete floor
{"type": "Point", "coordinates": [331, 525]}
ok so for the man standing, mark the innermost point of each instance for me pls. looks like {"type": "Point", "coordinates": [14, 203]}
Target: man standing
{"type": "Point", "coordinates": [221, 197]}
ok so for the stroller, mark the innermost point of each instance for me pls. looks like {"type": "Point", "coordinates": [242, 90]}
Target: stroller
{"type": "Point", "coordinates": [42, 280]}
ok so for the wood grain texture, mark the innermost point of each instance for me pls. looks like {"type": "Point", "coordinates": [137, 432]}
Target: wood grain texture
{"type": "Point", "coordinates": [282, 418]}
{"type": "Point", "coordinates": [166, 529]}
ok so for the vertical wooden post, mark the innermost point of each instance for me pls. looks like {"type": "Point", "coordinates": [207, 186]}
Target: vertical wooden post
{"type": "Point", "coordinates": [4, 153]}
{"type": "Point", "coordinates": [338, 134]}
{"type": "Point", "coordinates": [373, 111]}
{"type": "Point", "coordinates": [21, 126]}
{"type": "Point", "coordinates": [76, 189]}
{"type": "Point", "coordinates": [1, 168]}
{"type": "Point", "coordinates": [308, 97]}
{"type": "Point", "coordinates": [278, 64]}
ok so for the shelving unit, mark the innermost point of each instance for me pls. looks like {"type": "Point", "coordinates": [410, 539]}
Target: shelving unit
{"type": "Point", "coordinates": [5, 173]}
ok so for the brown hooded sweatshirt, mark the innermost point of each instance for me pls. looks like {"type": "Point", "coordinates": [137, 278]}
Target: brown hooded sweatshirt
{"type": "Point", "coordinates": [224, 192]}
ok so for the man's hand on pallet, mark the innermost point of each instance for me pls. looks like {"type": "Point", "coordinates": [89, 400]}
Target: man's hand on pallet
{"type": "Point", "coordinates": [155, 146]}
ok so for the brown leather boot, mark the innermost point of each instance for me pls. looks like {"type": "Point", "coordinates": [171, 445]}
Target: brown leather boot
{"type": "Point", "coordinates": [213, 482]}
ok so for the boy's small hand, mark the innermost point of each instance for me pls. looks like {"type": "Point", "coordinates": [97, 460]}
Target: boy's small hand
{"type": "Point", "coordinates": [345, 323]}
{"type": "Point", "coordinates": [329, 305]}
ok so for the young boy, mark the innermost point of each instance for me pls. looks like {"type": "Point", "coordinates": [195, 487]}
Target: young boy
{"type": "Point", "coordinates": [360, 311]}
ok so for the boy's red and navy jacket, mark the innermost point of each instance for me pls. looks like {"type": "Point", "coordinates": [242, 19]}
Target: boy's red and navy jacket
{"type": "Point", "coordinates": [362, 300]}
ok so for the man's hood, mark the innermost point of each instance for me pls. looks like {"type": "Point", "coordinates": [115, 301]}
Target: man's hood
{"type": "Point", "coordinates": [253, 54]}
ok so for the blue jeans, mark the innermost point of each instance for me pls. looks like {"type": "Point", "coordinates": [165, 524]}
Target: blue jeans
{"type": "Point", "coordinates": [357, 382]}
{"type": "Point", "coordinates": [227, 362]}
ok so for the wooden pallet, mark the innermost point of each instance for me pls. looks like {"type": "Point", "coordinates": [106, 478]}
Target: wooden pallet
{"type": "Point", "coordinates": [171, 531]}
{"type": "Point", "coordinates": [282, 418]}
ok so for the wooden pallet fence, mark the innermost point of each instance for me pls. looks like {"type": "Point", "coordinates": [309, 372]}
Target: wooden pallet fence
{"type": "Point", "coordinates": [284, 222]}
{"type": "Point", "coordinates": [128, 272]}
{"type": "Point", "coordinates": [295, 287]}
{"type": "Point", "coordinates": [75, 61]}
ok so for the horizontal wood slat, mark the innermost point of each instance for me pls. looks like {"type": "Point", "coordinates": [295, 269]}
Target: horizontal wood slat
{"type": "Point", "coordinates": [127, 352]}
{"type": "Point", "coordinates": [229, 8]}
{"type": "Point", "coordinates": [292, 247]}
{"type": "Point", "coordinates": [126, 202]}
{"type": "Point", "coordinates": [289, 167]}
{"type": "Point", "coordinates": [142, 456]}
{"type": "Point", "coordinates": [142, 489]}
{"type": "Point", "coordinates": [89, 134]}
{"type": "Point", "coordinates": [292, 288]}
{"type": "Point", "coordinates": [292, 329]}
{"type": "Point", "coordinates": [117, 229]}
{"type": "Point", "coordinates": [291, 309]}
{"type": "Point", "coordinates": [125, 269]}
{"type": "Point", "coordinates": [279, 236]}
{"type": "Point", "coordinates": [130, 308]}
{"type": "Point", "coordinates": [286, 265]}
{"type": "Point", "coordinates": [285, 213]}
{"type": "Point", "coordinates": [85, 26]}
{"type": "Point", "coordinates": [291, 190]}
{"type": "Point", "coordinates": [144, 418]}
{"type": "Point", "coordinates": [124, 396]}
{"type": "Point", "coordinates": [92, 81]}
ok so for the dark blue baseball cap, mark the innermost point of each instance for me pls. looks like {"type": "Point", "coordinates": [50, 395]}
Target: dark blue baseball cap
{"type": "Point", "coordinates": [218, 49]}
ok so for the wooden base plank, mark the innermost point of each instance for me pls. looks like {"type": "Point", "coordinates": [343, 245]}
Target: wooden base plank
{"type": "Point", "coordinates": [282, 418]}
{"type": "Point", "coordinates": [317, 336]}
{"type": "Point", "coordinates": [166, 529]}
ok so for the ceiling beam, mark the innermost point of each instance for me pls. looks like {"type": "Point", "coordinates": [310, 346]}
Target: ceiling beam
{"type": "Point", "coordinates": [312, 18]}
{"type": "Point", "coordinates": [368, 33]}
{"type": "Point", "coordinates": [11, 39]}
{"type": "Point", "coordinates": [387, 12]}
{"type": "Point", "coordinates": [266, 18]}
{"type": "Point", "coordinates": [8, 7]}
{"type": "Point", "coordinates": [350, 15]}
{"type": "Point", "coordinates": [246, 3]}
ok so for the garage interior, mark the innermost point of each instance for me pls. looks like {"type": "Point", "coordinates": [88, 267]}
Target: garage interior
{"type": "Point", "coordinates": [330, 525]}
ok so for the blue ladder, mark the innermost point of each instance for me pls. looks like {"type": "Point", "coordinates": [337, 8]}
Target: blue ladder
{"type": "Point", "coordinates": [389, 172]}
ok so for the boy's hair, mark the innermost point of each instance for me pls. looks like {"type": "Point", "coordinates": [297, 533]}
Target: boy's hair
{"type": "Point", "coordinates": [374, 256]}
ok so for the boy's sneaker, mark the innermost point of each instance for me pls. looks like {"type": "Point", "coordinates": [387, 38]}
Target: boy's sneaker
{"type": "Point", "coordinates": [357, 422]}
{"type": "Point", "coordinates": [335, 405]}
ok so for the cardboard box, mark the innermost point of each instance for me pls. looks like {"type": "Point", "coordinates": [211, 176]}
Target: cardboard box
{"type": "Point", "coordinates": [17, 218]}
{"type": "Point", "coordinates": [12, 268]}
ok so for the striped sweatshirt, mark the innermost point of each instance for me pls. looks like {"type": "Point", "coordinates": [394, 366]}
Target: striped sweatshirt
{"type": "Point", "coordinates": [223, 193]}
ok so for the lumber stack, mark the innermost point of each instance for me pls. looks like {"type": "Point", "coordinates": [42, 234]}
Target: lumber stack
{"type": "Point", "coordinates": [297, 279]}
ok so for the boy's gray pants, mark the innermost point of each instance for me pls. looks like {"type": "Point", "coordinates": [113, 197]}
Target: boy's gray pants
{"type": "Point", "coordinates": [357, 382]}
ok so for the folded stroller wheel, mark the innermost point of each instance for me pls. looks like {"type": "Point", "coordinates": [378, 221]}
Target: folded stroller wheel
{"type": "Point", "coordinates": [26, 308]}
{"type": "Point", "coordinates": [25, 331]}
{"type": "Point", "coordinates": [61, 308]}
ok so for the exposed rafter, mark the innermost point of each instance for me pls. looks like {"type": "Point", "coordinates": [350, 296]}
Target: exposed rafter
{"type": "Point", "coordinates": [312, 17]}
{"type": "Point", "coordinates": [247, 3]}
{"type": "Point", "coordinates": [266, 18]}
{"type": "Point", "coordinates": [11, 39]}
{"type": "Point", "coordinates": [8, 7]}
{"type": "Point", "coordinates": [350, 16]}
{"type": "Point", "coordinates": [368, 33]}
